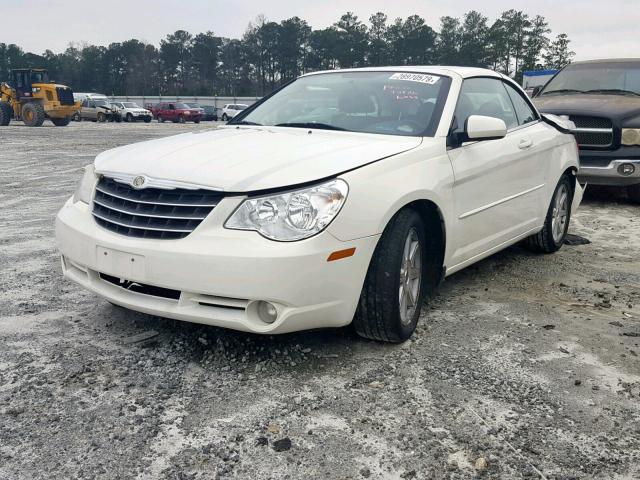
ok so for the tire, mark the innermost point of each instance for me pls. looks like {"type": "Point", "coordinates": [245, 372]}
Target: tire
{"type": "Point", "coordinates": [101, 117]}
{"type": "Point", "coordinates": [61, 122]}
{"type": "Point", "coordinates": [224, 117]}
{"type": "Point", "coordinates": [196, 121]}
{"type": "Point", "coordinates": [381, 313]}
{"type": "Point", "coordinates": [147, 119]}
{"type": "Point", "coordinates": [160, 120]}
{"type": "Point", "coordinates": [129, 118]}
{"type": "Point", "coordinates": [6, 111]}
{"type": "Point", "coordinates": [181, 119]}
{"type": "Point", "coordinates": [33, 114]}
{"type": "Point", "coordinates": [77, 117]}
{"type": "Point", "coordinates": [556, 223]}
{"type": "Point", "coordinates": [117, 118]}
{"type": "Point", "coordinates": [633, 192]}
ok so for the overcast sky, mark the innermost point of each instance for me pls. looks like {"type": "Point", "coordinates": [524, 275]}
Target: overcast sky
{"type": "Point", "coordinates": [597, 28]}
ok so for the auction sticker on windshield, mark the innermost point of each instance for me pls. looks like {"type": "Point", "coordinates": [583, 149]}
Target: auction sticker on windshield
{"type": "Point", "coordinates": [415, 77]}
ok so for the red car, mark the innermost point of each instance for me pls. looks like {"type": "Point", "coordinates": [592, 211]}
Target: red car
{"type": "Point", "coordinates": [176, 112]}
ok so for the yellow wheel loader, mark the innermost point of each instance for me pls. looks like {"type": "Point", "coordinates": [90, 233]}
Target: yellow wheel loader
{"type": "Point", "coordinates": [29, 96]}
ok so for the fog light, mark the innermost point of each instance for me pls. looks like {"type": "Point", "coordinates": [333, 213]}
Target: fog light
{"type": "Point", "coordinates": [626, 169]}
{"type": "Point", "coordinates": [267, 312]}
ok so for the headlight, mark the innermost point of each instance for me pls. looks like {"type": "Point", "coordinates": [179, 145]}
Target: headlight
{"type": "Point", "coordinates": [291, 215]}
{"type": "Point", "coordinates": [86, 185]}
{"type": "Point", "coordinates": [35, 89]}
{"type": "Point", "coordinates": [631, 136]}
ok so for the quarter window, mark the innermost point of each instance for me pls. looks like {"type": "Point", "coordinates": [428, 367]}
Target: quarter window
{"type": "Point", "coordinates": [484, 96]}
{"type": "Point", "coordinates": [523, 110]}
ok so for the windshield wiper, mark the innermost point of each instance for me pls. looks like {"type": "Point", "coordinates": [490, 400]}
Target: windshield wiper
{"type": "Point", "coordinates": [245, 122]}
{"type": "Point", "coordinates": [614, 91]}
{"type": "Point", "coordinates": [562, 90]}
{"type": "Point", "coordinates": [321, 126]}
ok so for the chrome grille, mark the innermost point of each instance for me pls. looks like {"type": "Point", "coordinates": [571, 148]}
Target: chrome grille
{"type": "Point", "coordinates": [151, 212]}
{"type": "Point", "coordinates": [593, 131]}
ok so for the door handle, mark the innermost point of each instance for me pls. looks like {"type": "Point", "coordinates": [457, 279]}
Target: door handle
{"type": "Point", "coordinates": [525, 143]}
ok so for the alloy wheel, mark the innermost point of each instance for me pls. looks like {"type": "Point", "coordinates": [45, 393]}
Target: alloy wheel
{"type": "Point", "coordinates": [560, 213]}
{"type": "Point", "coordinates": [410, 277]}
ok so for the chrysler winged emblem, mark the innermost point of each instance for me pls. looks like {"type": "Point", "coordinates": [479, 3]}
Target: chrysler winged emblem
{"type": "Point", "coordinates": [138, 182]}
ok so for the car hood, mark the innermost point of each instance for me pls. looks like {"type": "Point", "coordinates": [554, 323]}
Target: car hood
{"type": "Point", "coordinates": [244, 159]}
{"type": "Point", "coordinates": [619, 108]}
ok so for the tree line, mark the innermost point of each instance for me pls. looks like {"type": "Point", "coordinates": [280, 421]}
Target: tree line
{"type": "Point", "coordinates": [270, 53]}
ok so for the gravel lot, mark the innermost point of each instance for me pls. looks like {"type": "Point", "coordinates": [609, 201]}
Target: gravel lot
{"type": "Point", "coordinates": [523, 366]}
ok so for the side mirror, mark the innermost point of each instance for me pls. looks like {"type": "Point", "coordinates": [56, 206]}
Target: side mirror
{"type": "Point", "coordinates": [479, 127]}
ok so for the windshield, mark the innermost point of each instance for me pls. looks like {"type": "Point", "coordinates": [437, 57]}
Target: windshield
{"type": "Point", "coordinates": [130, 105]}
{"type": "Point", "coordinates": [39, 77]}
{"type": "Point", "coordinates": [614, 77]}
{"type": "Point", "coordinates": [385, 102]}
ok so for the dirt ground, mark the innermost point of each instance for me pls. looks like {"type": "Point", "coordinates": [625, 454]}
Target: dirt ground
{"type": "Point", "coordinates": [523, 366]}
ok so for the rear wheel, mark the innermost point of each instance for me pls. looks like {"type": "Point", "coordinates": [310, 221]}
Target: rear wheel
{"type": "Point", "coordinates": [6, 111]}
{"type": "Point", "coordinates": [181, 119]}
{"type": "Point", "coordinates": [196, 121]}
{"type": "Point", "coordinates": [556, 224]}
{"type": "Point", "coordinates": [160, 120]}
{"type": "Point", "coordinates": [33, 114]}
{"type": "Point", "coordinates": [224, 117]}
{"type": "Point", "coordinates": [77, 117]}
{"type": "Point", "coordinates": [61, 122]}
{"type": "Point", "coordinates": [394, 289]}
{"type": "Point", "coordinates": [129, 118]}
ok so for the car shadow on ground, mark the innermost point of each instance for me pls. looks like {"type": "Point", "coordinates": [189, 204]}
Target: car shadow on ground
{"type": "Point", "coordinates": [199, 341]}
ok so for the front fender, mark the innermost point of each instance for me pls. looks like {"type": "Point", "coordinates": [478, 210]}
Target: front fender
{"type": "Point", "coordinates": [377, 191]}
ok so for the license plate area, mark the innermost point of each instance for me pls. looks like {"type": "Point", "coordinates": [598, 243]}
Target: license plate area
{"type": "Point", "coordinates": [120, 264]}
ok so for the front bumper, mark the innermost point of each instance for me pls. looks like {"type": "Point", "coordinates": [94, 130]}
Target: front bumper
{"type": "Point", "coordinates": [610, 174]}
{"type": "Point", "coordinates": [219, 274]}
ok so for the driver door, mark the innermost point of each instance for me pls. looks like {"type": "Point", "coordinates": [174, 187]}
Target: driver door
{"type": "Point", "coordinates": [498, 183]}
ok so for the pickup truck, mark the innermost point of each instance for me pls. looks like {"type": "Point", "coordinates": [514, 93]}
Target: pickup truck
{"type": "Point", "coordinates": [602, 99]}
{"type": "Point", "coordinates": [176, 112]}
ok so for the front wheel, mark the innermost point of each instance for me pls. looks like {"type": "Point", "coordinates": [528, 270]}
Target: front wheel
{"type": "Point", "coordinates": [224, 117]}
{"type": "Point", "coordinates": [160, 120]}
{"type": "Point", "coordinates": [147, 119]}
{"type": "Point", "coordinates": [101, 117]}
{"type": "Point", "coordinates": [77, 117]}
{"type": "Point", "coordinates": [6, 111]}
{"type": "Point", "coordinates": [556, 223]}
{"type": "Point", "coordinates": [394, 289]}
{"type": "Point", "coordinates": [129, 118]}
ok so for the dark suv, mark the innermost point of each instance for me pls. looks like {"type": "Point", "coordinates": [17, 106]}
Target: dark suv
{"type": "Point", "coordinates": [602, 98]}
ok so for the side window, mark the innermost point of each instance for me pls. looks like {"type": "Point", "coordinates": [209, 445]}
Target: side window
{"type": "Point", "coordinates": [484, 96]}
{"type": "Point", "coordinates": [85, 102]}
{"type": "Point", "coordinates": [523, 110]}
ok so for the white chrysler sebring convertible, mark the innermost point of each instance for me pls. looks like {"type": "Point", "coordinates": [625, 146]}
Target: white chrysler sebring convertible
{"type": "Point", "coordinates": [345, 196]}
